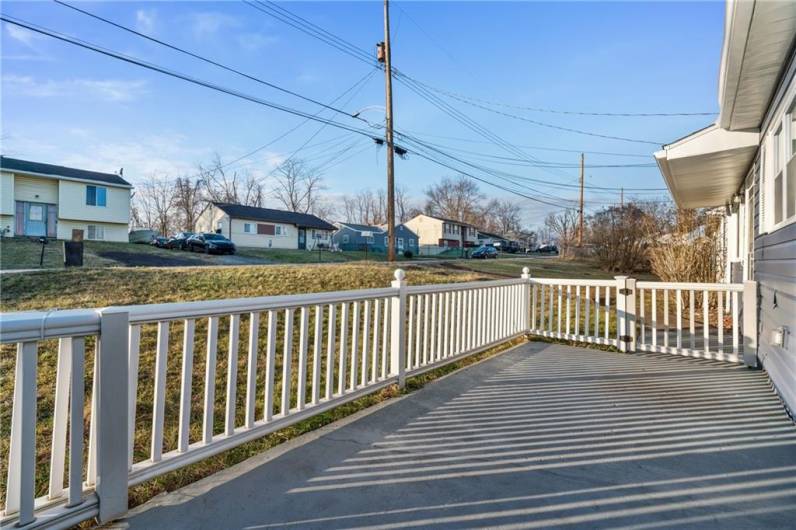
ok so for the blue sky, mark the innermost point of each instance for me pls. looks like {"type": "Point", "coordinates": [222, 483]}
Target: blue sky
{"type": "Point", "coordinates": [65, 105]}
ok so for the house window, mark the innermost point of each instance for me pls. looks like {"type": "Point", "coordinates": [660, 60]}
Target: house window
{"type": "Point", "coordinates": [411, 242]}
{"type": "Point", "coordinates": [345, 238]}
{"type": "Point", "coordinates": [313, 234]}
{"type": "Point", "coordinates": [219, 226]}
{"type": "Point", "coordinates": [779, 182]}
{"type": "Point", "coordinates": [247, 227]}
{"type": "Point", "coordinates": [400, 242]}
{"type": "Point", "coordinates": [96, 232]}
{"type": "Point", "coordinates": [790, 167]}
{"type": "Point", "coordinates": [279, 230]}
{"type": "Point", "coordinates": [96, 195]}
{"type": "Point", "coordinates": [386, 240]}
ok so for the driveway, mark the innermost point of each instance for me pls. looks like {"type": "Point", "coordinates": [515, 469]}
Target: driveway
{"type": "Point", "coordinates": [543, 436]}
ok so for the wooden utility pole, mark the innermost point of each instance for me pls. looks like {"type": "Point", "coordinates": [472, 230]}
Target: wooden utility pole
{"type": "Point", "coordinates": [621, 197]}
{"type": "Point", "coordinates": [385, 57]}
{"type": "Point", "coordinates": [580, 211]}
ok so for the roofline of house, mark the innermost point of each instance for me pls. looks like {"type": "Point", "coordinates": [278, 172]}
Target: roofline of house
{"type": "Point", "coordinates": [72, 179]}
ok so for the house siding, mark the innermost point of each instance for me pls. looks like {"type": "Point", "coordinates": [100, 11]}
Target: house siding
{"type": "Point", "coordinates": [32, 189]}
{"type": "Point", "coordinates": [775, 272]}
{"type": "Point", "coordinates": [72, 205]}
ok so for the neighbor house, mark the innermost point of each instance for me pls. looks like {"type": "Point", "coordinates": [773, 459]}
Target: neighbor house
{"type": "Point", "coordinates": [250, 226]}
{"type": "Point", "coordinates": [441, 232]}
{"type": "Point", "coordinates": [39, 199]}
{"type": "Point", "coordinates": [488, 238]}
{"type": "Point", "coordinates": [745, 165]}
{"type": "Point", "coordinates": [351, 236]}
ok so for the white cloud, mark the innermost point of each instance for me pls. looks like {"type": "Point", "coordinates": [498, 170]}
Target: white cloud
{"type": "Point", "coordinates": [111, 90]}
{"type": "Point", "coordinates": [22, 35]}
{"type": "Point", "coordinates": [145, 20]}
{"type": "Point", "coordinates": [208, 23]}
{"type": "Point", "coordinates": [255, 41]}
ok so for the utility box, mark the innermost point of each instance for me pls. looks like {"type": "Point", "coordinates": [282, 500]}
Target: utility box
{"type": "Point", "coordinates": [73, 250]}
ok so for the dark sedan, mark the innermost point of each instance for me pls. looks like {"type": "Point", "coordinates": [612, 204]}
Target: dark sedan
{"type": "Point", "coordinates": [485, 253]}
{"type": "Point", "coordinates": [180, 241]}
{"type": "Point", "coordinates": [210, 244]}
{"type": "Point", "coordinates": [160, 242]}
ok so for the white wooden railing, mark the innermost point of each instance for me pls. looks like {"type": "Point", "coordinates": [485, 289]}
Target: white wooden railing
{"type": "Point", "coordinates": [297, 356]}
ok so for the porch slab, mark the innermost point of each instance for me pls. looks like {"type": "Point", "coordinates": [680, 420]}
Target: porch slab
{"type": "Point", "coordinates": [541, 436]}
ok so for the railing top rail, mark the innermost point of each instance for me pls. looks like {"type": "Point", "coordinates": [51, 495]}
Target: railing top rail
{"type": "Point", "coordinates": [444, 287]}
{"type": "Point", "coordinates": [38, 325]}
{"type": "Point", "coordinates": [141, 314]}
{"type": "Point", "coordinates": [573, 282]}
{"type": "Point", "coordinates": [697, 286]}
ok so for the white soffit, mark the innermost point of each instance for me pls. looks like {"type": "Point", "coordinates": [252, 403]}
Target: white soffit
{"type": "Point", "coordinates": [758, 37]}
{"type": "Point", "coordinates": [707, 167]}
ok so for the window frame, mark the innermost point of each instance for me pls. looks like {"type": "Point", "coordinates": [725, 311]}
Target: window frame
{"type": "Point", "coordinates": [247, 228]}
{"type": "Point", "coordinates": [100, 196]}
{"type": "Point", "coordinates": [781, 150]}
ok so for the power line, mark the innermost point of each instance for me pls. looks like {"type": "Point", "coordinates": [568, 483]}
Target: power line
{"type": "Point", "coordinates": [202, 58]}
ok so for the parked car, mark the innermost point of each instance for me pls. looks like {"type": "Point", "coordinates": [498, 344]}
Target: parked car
{"type": "Point", "coordinates": [484, 252]}
{"type": "Point", "coordinates": [179, 241]}
{"type": "Point", "coordinates": [210, 244]}
{"type": "Point", "coordinates": [547, 249]}
{"type": "Point", "coordinates": [160, 242]}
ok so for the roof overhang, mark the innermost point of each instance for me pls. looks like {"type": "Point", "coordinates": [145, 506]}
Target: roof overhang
{"type": "Point", "coordinates": [706, 168]}
{"type": "Point", "coordinates": [758, 38]}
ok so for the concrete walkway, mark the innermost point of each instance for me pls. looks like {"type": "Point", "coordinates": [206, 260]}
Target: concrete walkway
{"type": "Point", "coordinates": [542, 436]}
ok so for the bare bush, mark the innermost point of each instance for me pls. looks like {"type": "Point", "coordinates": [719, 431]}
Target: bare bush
{"type": "Point", "coordinates": [619, 237]}
{"type": "Point", "coordinates": [690, 250]}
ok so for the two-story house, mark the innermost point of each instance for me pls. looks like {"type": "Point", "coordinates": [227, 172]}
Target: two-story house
{"type": "Point", "coordinates": [442, 232]}
{"type": "Point", "coordinates": [250, 226]}
{"type": "Point", "coordinates": [39, 199]}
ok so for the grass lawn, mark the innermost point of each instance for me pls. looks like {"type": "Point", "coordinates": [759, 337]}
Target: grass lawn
{"type": "Point", "coordinates": [553, 267]}
{"type": "Point", "coordinates": [23, 253]}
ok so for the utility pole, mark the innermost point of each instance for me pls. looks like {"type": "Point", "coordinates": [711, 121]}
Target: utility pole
{"type": "Point", "coordinates": [580, 211]}
{"type": "Point", "coordinates": [384, 57]}
{"type": "Point", "coordinates": [621, 197]}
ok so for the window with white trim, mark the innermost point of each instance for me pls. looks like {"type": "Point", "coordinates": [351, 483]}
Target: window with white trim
{"type": "Point", "coordinates": [280, 230]}
{"type": "Point", "coordinates": [96, 232]}
{"type": "Point", "coordinates": [247, 227]}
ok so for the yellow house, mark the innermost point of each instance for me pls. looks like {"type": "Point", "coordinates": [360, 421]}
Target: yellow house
{"type": "Point", "coordinates": [47, 200]}
{"type": "Point", "coordinates": [442, 232]}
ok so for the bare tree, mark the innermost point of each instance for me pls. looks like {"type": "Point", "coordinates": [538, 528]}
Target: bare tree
{"type": "Point", "coordinates": [187, 202]}
{"type": "Point", "coordinates": [365, 207]}
{"type": "Point", "coordinates": [502, 217]}
{"type": "Point", "coordinates": [297, 187]}
{"type": "Point", "coordinates": [154, 205]}
{"type": "Point", "coordinates": [458, 199]}
{"type": "Point", "coordinates": [403, 205]}
{"type": "Point", "coordinates": [221, 185]}
{"type": "Point", "coordinates": [564, 226]}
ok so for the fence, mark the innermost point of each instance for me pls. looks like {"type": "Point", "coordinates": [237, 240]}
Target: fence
{"type": "Point", "coordinates": [266, 363]}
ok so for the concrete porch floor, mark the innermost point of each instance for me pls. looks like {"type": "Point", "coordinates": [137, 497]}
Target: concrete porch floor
{"type": "Point", "coordinates": [541, 436]}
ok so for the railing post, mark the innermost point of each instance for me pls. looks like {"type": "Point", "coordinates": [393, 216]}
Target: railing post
{"type": "Point", "coordinates": [398, 329]}
{"type": "Point", "coordinates": [631, 312]}
{"type": "Point", "coordinates": [622, 336]}
{"type": "Point", "coordinates": [111, 413]}
{"type": "Point", "coordinates": [749, 323]}
{"type": "Point", "coordinates": [526, 299]}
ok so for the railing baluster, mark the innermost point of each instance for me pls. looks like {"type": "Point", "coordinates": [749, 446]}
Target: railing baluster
{"type": "Point", "coordinates": [301, 379]}
{"type": "Point", "coordinates": [186, 378]}
{"type": "Point", "coordinates": [679, 320]}
{"type": "Point", "coordinates": [587, 314]}
{"type": "Point", "coordinates": [720, 319]}
{"type": "Point", "coordinates": [642, 313]}
{"type": "Point", "coordinates": [426, 326]}
{"type": "Point", "coordinates": [577, 310]}
{"type": "Point", "coordinates": [159, 405]}
{"type": "Point", "coordinates": [457, 343]}
{"type": "Point", "coordinates": [666, 318]}
{"type": "Point", "coordinates": [330, 344]}
{"type": "Point", "coordinates": [270, 365]}
{"type": "Point", "coordinates": [692, 320]}
{"type": "Point", "coordinates": [287, 362]}
{"type": "Point", "coordinates": [365, 344]}
{"type": "Point", "coordinates": [542, 299]}
{"type": "Point", "coordinates": [597, 313]}
{"type": "Point", "coordinates": [385, 337]}
{"type": "Point", "coordinates": [434, 346]}
{"type": "Point", "coordinates": [354, 346]}
{"type": "Point", "coordinates": [419, 334]}
{"type": "Point", "coordinates": [133, 344]}
{"type": "Point", "coordinates": [735, 322]}
{"type": "Point", "coordinates": [341, 375]}
{"type": "Point", "coordinates": [706, 320]}
{"type": "Point", "coordinates": [76, 398]}
{"type": "Point", "coordinates": [210, 380]}
{"type": "Point", "coordinates": [316, 354]}
{"type": "Point", "coordinates": [569, 307]}
{"type": "Point", "coordinates": [251, 368]}
{"type": "Point", "coordinates": [20, 487]}
{"type": "Point", "coordinates": [560, 307]}
{"type": "Point", "coordinates": [60, 418]}
{"type": "Point", "coordinates": [654, 311]}
{"type": "Point", "coordinates": [533, 306]}
{"type": "Point", "coordinates": [607, 312]}
{"type": "Point", "coordinates": [232, 374]}
{"type": "Point", "coordinates": [374, 369]}
{"type": "Point", "coordinates": [410, 324]}
{"type": "Point", "coordinates": [550, 311]}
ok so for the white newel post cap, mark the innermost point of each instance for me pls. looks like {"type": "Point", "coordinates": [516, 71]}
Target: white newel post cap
{"type": "Point", "coordinates": [526, 273]}
{"type": "Point", "coordinates": [400, 278]}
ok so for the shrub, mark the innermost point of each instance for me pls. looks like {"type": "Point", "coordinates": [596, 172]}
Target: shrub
{"type": "Point", "coordinates": [691, 250]}
{"type": "Point", "coordinates": [408, 254]}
